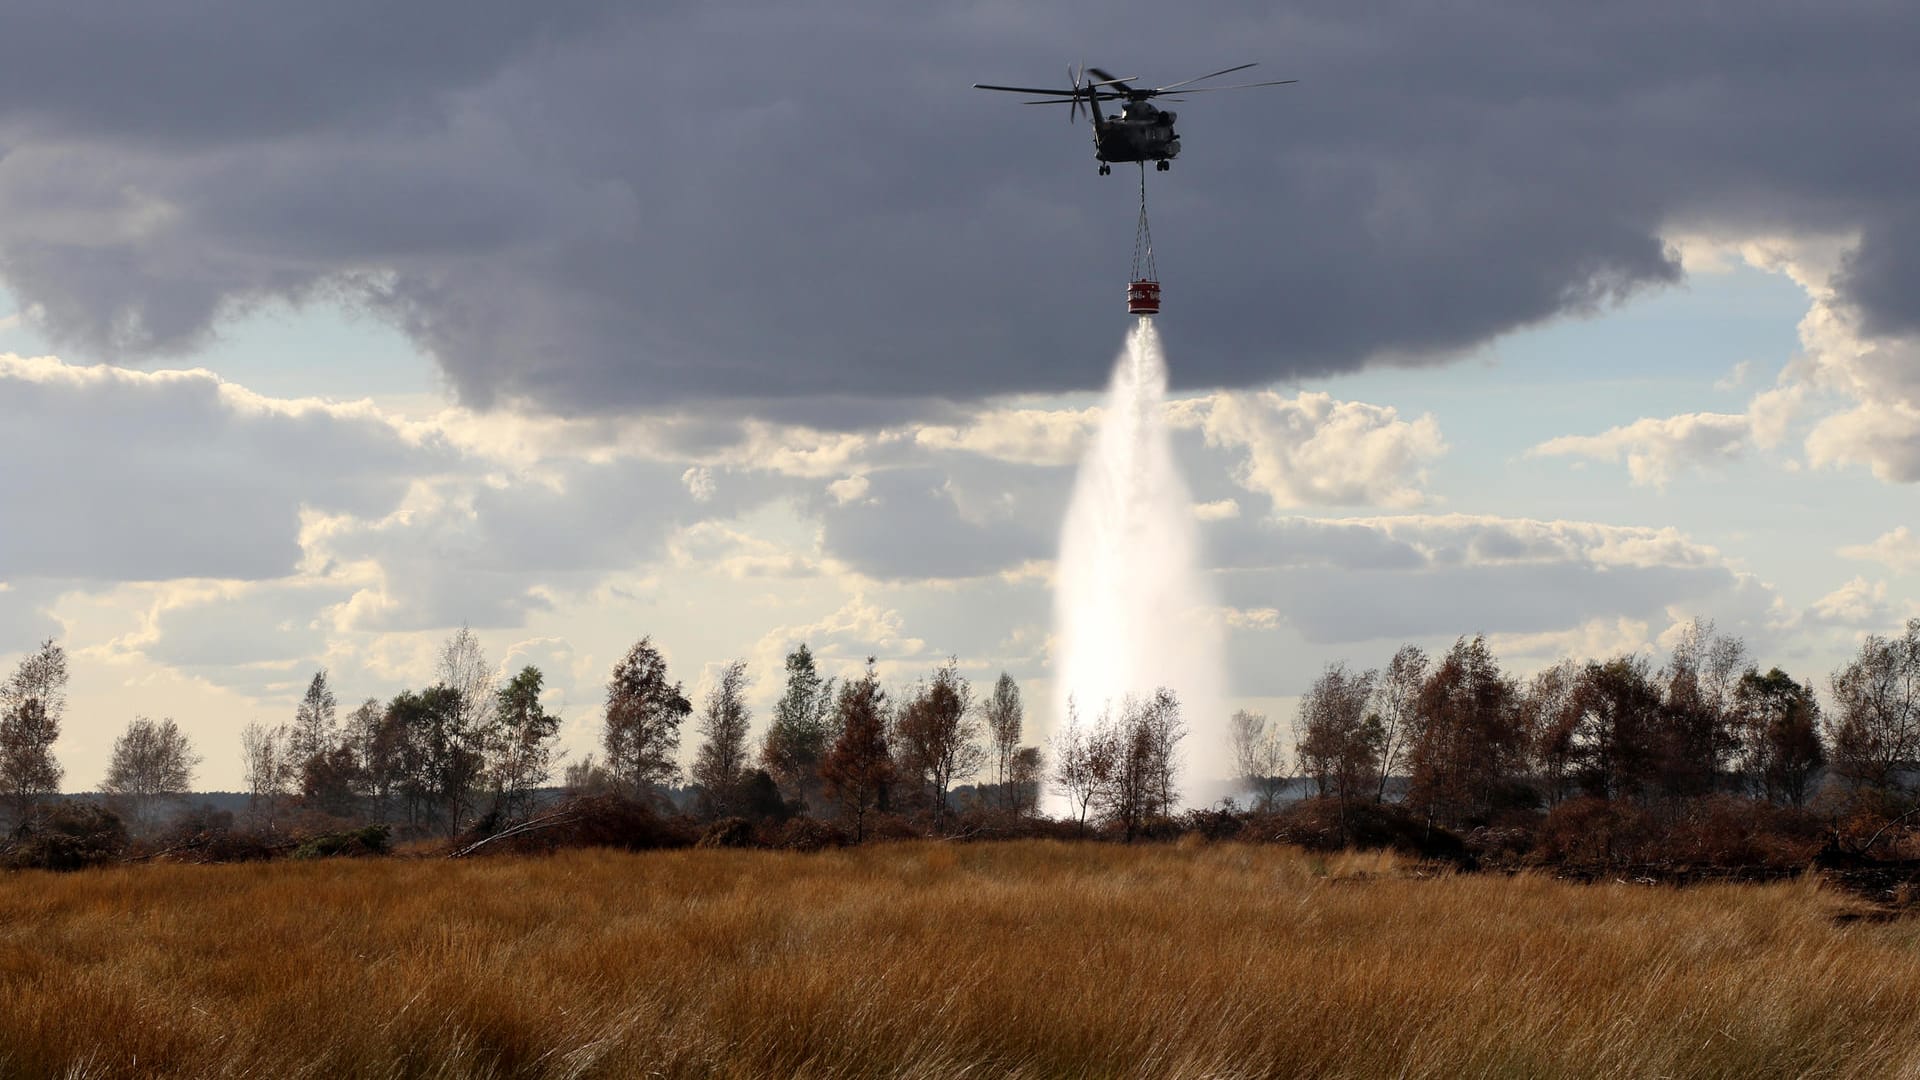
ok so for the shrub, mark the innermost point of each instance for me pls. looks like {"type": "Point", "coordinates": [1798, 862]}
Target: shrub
{"type": "Point", "coordinates": [353, 843]}
{"type": "Point", "coordinates": [1593, 832]}
{"type": "Point", "coordinates": [1322, 824]}
{"type": "Point", "coordinates": [1219, 823]}
{"type": "Point", "coordinates": [733, 832]}
{"type": "Point", "coordinates": [613, 821]}
{"type": "Point", "coordinates": [69, 836]}
{"type": "Point", "coordinates": [804, 833]}
{"type": "Point", "coordinates": [205, 835]}
{"type": "Point", "coordinates": [1721, 832]}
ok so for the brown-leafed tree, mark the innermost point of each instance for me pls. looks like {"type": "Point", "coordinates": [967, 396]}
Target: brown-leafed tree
{"type": "Point", "coordinates": [1471, 743]}
{"type": "Point", "coordinates": [1260, 756]}
{"type": "Point", "coordinates": [644, 712]}
{"type": "Point", "coordinates": [33, 701]}
{"type": "Point", "coordinates": [263, 752]}
{"type": "Point", "coordinates": [1079, 765]}
{"type": "Point", "coordinates": [462, 668]}
{"type": "Point", "coordinates": [1336, 740]}
{"type": "Point", "coordinates": [1024, 778]}
{"type": "Point", "coordinates": [1550, 708]}
{"type": "Point", "coordinates": [152, 761]}
{"type": "Point", "coordinates": [721, 762]}
{"type": "Point", "coordinates": [937, 736]}
{"type": "Point", "coordinates": [1395, 712]}
{"type": "Point", "coordinates": [858, 768]}
{"type": "Point", "coordinates": [1004, 716]}
{"type": "Point", "coordinates": [360, 733]}
{"type": "Point", "coordinates": [311, 734]}
{"type": "Point", "coordinates": [1875, 727]}
{"type": "Point", "coordinates": [1694, 736]}
{"type": "Point", "coordinates": [1135, 760]}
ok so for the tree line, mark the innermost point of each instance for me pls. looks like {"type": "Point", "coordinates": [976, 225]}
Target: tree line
{"type": "Point", "coordinates": [1458, 742]}
{"type": "Point", "coordinates": [471, 753]}
{"type": "Point", "coordinates": [1450, 739]}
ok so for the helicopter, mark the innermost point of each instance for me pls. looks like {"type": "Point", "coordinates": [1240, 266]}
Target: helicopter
{"type": "Point", "coordinates": [1140, 131]}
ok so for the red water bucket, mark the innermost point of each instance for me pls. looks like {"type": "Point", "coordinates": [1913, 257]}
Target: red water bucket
{"type": "Point", "coordinates": [1143, 297]}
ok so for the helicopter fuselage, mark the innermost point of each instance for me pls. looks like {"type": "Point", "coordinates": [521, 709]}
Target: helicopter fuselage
{"type": "Point", "coordinates": [1139, 132]}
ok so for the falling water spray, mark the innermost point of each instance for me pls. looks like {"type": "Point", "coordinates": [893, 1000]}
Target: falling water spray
{"type": "Point", "coordinates": [1132, 611]}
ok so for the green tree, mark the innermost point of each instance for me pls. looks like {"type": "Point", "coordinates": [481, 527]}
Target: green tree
{"type": "Point", "coordinates": [312, 733]}
{"type": "Point", "coordinates": [1617, 737]}
{"type": "Point", "coordinates": [33, 701]}
{"type": "Point", "coordinates": [437, 758]}
{"type": "Point", "coordinates": [644, 712]}
{"type": "Point", "coordinates": [522, 748]}
{"type": "Point", "coordinates": [720, 764]}
{"type": "Point", "coordinates": [1336, 739]}
{"type": "Point", "coordinates": [800, 730]}
{"type": "Point", "coordinates": [151, 762]}
{"type": "Point", "coordinates": [1004, 716]}
{"type": "Point", "coordinates": [1779, 726]}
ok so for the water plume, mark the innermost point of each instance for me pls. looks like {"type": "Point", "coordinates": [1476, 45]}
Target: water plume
{"type": "Point", "coordinates": [1132, 610]}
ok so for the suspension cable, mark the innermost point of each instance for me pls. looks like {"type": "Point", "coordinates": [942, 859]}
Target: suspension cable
{"type": "Point", "coordinates": [1143, 267]}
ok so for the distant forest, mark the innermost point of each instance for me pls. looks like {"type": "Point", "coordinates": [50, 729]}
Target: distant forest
{"type": "Point", "coordinates": [1700, 760]}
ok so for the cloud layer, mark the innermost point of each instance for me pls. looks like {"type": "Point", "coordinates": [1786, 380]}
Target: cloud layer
{"type": "Point", "coordinates": [597, 210]}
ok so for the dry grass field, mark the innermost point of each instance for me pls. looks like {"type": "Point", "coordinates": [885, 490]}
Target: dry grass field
{"type": "Point", "coordinates": [923, 959]}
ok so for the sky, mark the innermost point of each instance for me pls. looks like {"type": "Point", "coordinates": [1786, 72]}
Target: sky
{"type": "Point", "coordinates": [327, 329]}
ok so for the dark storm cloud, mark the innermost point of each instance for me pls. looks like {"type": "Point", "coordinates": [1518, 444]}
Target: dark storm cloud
{"type": "Point", "coordinates": [210, 71]}
{"type": "Point", "coordinates": [792, 202]}
{"type": "Point", "coordinates": [1882, 277]}
{"type": "Point", "coordinates": [926, 523]}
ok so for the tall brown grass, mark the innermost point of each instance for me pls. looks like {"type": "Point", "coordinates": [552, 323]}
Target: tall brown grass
{"type": "Point", "coordinates": [1026, 959]}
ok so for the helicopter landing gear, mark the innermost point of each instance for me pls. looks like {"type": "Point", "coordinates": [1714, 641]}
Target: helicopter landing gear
{"type": "Point", "coordinates": [1106, 170]}
{"type": "Point", "coordinates": [1162, 165]}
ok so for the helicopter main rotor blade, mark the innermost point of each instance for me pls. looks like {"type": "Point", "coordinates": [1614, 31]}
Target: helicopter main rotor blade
{"type": "Point", "coordinates": [1197, 78]}
{"type": "Point", "coordinates": [1027, 89]}
{"type": "Point", "coordinates": [1242, 86]}
{"type": "Point", "coordinates": [1083, 98]}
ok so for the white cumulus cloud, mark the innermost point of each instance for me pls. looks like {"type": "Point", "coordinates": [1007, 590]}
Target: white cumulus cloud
{"type": "Point", "coordinates": [1312, 450]}
{"type": "Point", "coordinates": [1657, 448]}
{"type": "Point", "coordinates": [1898, 550]}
